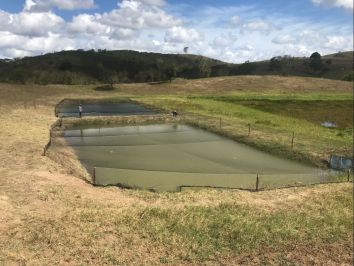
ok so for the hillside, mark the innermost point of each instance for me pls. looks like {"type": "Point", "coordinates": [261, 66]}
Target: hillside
{"type": "Point", "coordinates": [334, 66]}
{"type": "Point", "coordinates": [87, 67]}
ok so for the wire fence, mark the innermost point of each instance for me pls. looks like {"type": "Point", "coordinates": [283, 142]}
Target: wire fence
{"type": "Point", "coordinates": [93, 107]}
{"type": "Point", "coordinates": [172, 181]}
{"type": "Point", "coordinates": [166, 181]}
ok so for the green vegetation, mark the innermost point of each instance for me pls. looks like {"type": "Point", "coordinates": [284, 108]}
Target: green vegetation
{"type": "Point", "coordinates": [86, 67]}
{"type": "Point", "coordinates": [316, 62]}
{"type": "Point", "coordinates": [273, 119]}
{"type": "Point", "coordinates": [89, 67]}
{"type": "Point", "coordinates": [316, 109]}
{"type": "Point", "coordinates": [201, 233]}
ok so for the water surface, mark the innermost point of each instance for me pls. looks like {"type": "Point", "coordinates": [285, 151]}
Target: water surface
{"type": "Point", "coordinates": [171, 157]}
{"type": "Point", "coordinates": [71, 109]}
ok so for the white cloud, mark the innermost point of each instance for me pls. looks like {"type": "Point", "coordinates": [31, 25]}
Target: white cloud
{"type": "Point", "coordinates": [299, 50]}
{"type": "Point", "coordinates": [347, 4]}
{"type": "Point", "coordinates": [124, 34]}
{"type": "Point", "coordinates": [182, 35]}
{"type": "Point", "coordinates": [284, 39]}
{"type": "Point", "coordinates": [138, 15]}
{"type": "Point", "coordinates": [10, 40]}
{"type": "Point", "coordinates": [311, 38]}
{"type": "Point", "coordinates": [339, 43]}
{"type": "Point", "coordinates": [4, 18]}
{"type": "Point", "coordinates": [13, 45]}
{"type": "Point", "coordinates": [31, 24]}
{"type": "Point", "coordinates": [89, 24]}
{"type": "Point", "coordinates": [235, 21]}
{"type": "Point", "coordinates": [258, 25]}
{"type": "Point", "coordinates": [46, 5]}
{"type": "Point", "coordinates": [53, 42]}
{"type": "Point", "coordinates": [14, 53]}
{"type": "Point", "coordinates": [154, 2]}
{"type": "Point", "coordinates": [307, 41]}
{"type": "Point", "coordinates": [225, 39]}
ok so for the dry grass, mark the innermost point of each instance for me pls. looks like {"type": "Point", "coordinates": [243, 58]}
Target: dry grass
{"type": "Point", "coordinates": [246, 84]}
{"type": "Point", "coordinates": [48, 216]}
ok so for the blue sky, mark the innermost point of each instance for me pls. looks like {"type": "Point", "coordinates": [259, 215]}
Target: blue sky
{"type": "Point", "coordinates": [229, 30]}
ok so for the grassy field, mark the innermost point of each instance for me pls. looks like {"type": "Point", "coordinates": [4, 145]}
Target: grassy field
{"type": "Point", "coordinates": [50, 216]}
{"type": "Point", "coordinates": [273, 121]}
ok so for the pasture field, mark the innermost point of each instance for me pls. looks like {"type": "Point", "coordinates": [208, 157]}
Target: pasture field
{"type": "Point", "coordinates": [50, 216]}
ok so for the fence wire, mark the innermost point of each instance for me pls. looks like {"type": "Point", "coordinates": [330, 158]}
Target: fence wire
{"type": "Point", "coordinates": [177, 181]}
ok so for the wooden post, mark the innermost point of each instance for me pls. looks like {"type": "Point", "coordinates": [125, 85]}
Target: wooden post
{"type": "Point", "coordinates": [249, 129]}
{"type": "Point", "coordinates": [257, 183]}
{"type": "Point", "coordinates": [220, 122]}
{"type": "Point", "coordinates": [348, 174]}
{"type": "Point", "coordinates": [94, 176]}
{"type": "Point", "coordinates": [292, 140]}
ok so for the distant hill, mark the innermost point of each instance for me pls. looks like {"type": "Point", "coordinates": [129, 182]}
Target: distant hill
{"type": "Point", "coordinates": [337, 66]}
{"type": "Point", "coordinates": [86, 67]}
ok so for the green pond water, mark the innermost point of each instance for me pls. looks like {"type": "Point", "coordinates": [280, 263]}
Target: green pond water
{"type": "Point", "coordinates": [71, 109]}
{"type": "Point", "coordinates": [173, 157]}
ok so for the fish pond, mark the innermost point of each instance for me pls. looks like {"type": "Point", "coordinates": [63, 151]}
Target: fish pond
{"type": "Point", "coordinates": [174, 157]}
{"type": "Point", "coordinates": [70, 108]}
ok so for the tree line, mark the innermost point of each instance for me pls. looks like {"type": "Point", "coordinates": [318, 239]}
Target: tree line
{"type": "Point", "coordinates": [86, 67]}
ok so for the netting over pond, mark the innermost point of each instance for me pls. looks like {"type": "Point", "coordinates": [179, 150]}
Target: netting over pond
{"type": "Point", "coordinates": [172, 157]}
{"type": "Point", "coordinates": [70, 108]}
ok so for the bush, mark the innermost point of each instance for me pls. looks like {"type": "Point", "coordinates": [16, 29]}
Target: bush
{"type": "Point", "coordinates": [349, 77]}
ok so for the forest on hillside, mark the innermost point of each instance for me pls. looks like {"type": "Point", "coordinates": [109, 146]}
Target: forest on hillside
{"type": "Point", "coordinates": [102, 66]}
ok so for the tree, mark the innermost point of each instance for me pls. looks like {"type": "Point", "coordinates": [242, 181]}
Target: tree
{"type": "Point", "coordinates": [245, 69]}
{"type": "Point", "coordinates": [170, 72]}
{"type": "Point", "coordinates": [275, 63]}
{"type": "Point", "coordinates": [64, 66]}
{"type": "Point", "coordinates": [220, 70]}
{"type": "Point", "coordinates": [316, 61]}
{"type": "Point", "coordinates": [19, 75]}
{"type": "Point", "coordinates": [315, 55]}
{"type": "Point", "coordinates": [204, 68]}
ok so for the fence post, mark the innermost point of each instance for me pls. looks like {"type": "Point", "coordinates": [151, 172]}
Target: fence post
{"type": "Point", "coordinates": [257, 183]}
{"type": "Point", "coordinates": [249, 129]}
{"type": "Point", "coordinates": [292, 140]}
{"type": "Point", "coordinates": [220, 122]}
{"type": "Point", "coordinates": [94, 176]}
{"type": "Point", "coordinates": [348, 174]}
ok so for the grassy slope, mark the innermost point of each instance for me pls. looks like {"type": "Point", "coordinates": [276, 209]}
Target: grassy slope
{"type": "Point", "coordinates": [272, 127]}
{"type": "Point", "coordinates": [51, 217]}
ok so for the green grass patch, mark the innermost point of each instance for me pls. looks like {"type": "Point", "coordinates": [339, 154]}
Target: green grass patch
{"type": "Point", "coordinates": [273, 96]}
{"type": "Point", "coordinates": [339, 109]}
{"type": "Point", "coordinates": [272, 128]}
{"type": "Point", "coordinates": [200, 233]}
